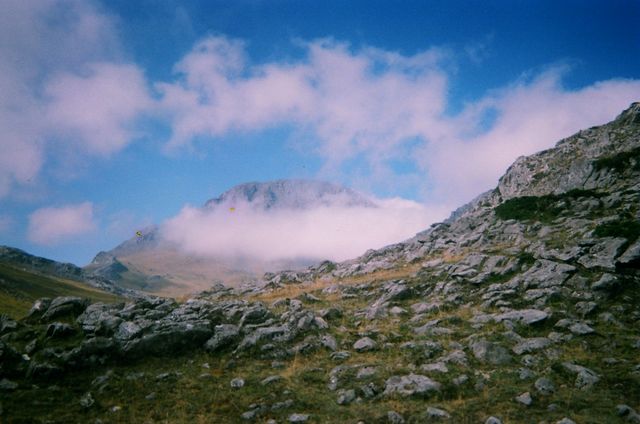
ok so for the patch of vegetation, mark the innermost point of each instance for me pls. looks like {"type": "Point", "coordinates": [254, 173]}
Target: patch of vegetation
{"type": "Point", "coordinates": [540, 208]}
{"type": "Point", "coordinates": [20, 288]}
{"type": "Point", "coordinates": [627, 228]}
{"type": "Point", "coordinates": [619, 162]}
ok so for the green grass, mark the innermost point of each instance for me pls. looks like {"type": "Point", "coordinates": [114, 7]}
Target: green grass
{"type": "Point", "coordinates": [619, 162]}
{"type": "Point", "coordinates": [627, 228]}
{"type": "Point", "coordinates": [20, 288]}
{"type": "Point", "coordinates": [541, 208]}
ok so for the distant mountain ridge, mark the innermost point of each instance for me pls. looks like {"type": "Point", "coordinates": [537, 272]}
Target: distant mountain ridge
{"type": "Point", "coordinates": [147, 262]}
{"type": "Point", "coordinates": [290, 194]}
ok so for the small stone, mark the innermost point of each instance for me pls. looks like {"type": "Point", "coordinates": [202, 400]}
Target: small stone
{"type": "Point", "coordinates": [86, 401]}
{"type": "Point", "coordinates": [411, 385]}
{"type": "Point", "coordinates": [544, 386]}
{"type": "Point", "coordinates": [531, 345]}
{"type": "Point", "coordinates": [366, 372]}
{"type": "Point", "coordinates": [150, 396]}
{"type": "Point", "coordinates": [436, 413]}
{"type": "Point", "coordinates": [270, 380]}
{"type": "Point", "coordinates": [492, 353]}
{"type": "Point", "coordinates": [345, 397]}
{"type": "Point", "coordinates": [435, 367]}
{"type": "Point", "coordinates": [298, 418]}
{"type": "Point", "coordinates": [7, 385]}
{"type": "Point", "coordinates": [364, 344]}
{"type": "Point", "coordinates": [459, 381]}
{"type": "Point", "coordinates": [565, 421]}
{"type": "Point", "coordinates": [340, 356]}
{"type": "Point", "coordinates": [394, 418]}
{"type": "Point", "coordinates": [525, 399]}
{"type": "Point", "coordinates": [237, 383]}
{"type": "Point", "coordinates": [581, 329]}
{"type": "Point", "coordinates": [493, 420]}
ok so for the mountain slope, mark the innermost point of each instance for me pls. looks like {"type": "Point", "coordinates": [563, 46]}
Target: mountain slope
{"type": "Point", "coordinates": [20, 288]}
{"type": "Point", "coordinates": [523, 307]}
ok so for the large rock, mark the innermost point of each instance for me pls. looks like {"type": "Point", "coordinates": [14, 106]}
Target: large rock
{"type": "Point", "coordinates": [100, 319]}
{"type": "Point", "coordinates": [585, 378]}
{"type": "Point", "coordinates": [411, 385]}
{"type": "Point", "coordinates": [523, 316]}
{"type": "Point", "coordinates": [168, 337]}
{"type": "Point", "coordinates": [223, 336]}
{"type": "Point", "coordinates": [364, 344]}
{"type": "Point", "coordinates": [531, 345]}
{"type": "Point", "coordinates": [492, 353]}
{"type": "Point", "coordinates": [603, 254]}
{"type": "Point", "coordinates": [65, 306]}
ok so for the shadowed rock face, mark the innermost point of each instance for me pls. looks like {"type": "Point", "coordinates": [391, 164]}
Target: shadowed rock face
{"type": "Point", "coordinates": [529, 294]}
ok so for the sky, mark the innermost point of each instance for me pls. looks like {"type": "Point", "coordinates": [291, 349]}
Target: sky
{"type": "Point", "coordinates": [119, 114]}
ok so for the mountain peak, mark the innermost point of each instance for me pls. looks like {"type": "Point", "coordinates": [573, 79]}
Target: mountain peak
{"type": "Point", "coordinates": [290, 194]}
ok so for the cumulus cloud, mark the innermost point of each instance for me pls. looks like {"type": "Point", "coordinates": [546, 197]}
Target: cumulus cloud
{"type": "Point", "coordinates": [62, 79]}
{"type": "Point", "coordinates": [53, 225]}
{"type": "Point", "coordinates": [335, 233]}
{"type": "Point", "coordinates": [530, 116]}
{"type": "Point", "coordinates": [99, 108]}
{"type": "Point", "coordinates": [380, 107]}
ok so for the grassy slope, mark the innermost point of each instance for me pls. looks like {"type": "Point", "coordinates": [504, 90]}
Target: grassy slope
{"type": "Point", "coordinates": [20, 288]}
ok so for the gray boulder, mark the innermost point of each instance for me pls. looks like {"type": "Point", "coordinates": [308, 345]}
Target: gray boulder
{"type": "Point", "coordinates": [411, 385]}
{"type": "Point", "coordinates": [59, 330]}
{"type": "Point", "coordinates": [65, 306]}
{"type": "Point", "coordinates": [394, 418]}
{"type": "Point", "coordinates": [531, 345]}
{"type": "Point", "coordinates": [525, 399]}
{"type": "Point", "coordinates": [523, 316]}
{"type": "Point", "coordinates": [491, 353]}
{"type": "Point", "coordinates": [544, 386]}
{"type": "Point", "coordinates": [364, 344]}
{"type": "Point", "coordinates": [436, 414]}
{"type": "Point", "coordinates": [585, 378]}
{"type": "Point", "coordinates": [223, 336]}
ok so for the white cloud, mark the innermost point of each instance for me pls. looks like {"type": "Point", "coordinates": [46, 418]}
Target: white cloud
{"type": "Point", "coordinates": [74, 42]}
{"type": "Point", "coordinates": [377, 107]}
{"type": "Point", "coordinates": [335, 233]}
{"type": "Point", "coordinates": [53, 225]}
{"type": "Point", "coordinates": [98, 109]}
{"type": "Point", "coordinates": [530, 116]}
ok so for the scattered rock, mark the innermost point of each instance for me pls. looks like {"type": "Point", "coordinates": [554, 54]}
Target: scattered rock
{"type": "Point", "coordinates": [7, 385]}
{"type": "Point", "coordinates": [585, 379]}
{"type": "Point", "coordinates": [524, 316]}
{"type": "Point", "coordinates": [394, 418]}
{"type": "Point", "coordinates": [531, 345]}
{"type": "Point", "coordinates": [436, 413]}
{"type": "Point", "coordinates": [364, 344]}
{"type": "Point", "coordinates": [345, 397]}
{"type": "Point", "coordinates": [237, 383]}
{"type": "Point", "coordinates": [86, 401]}
{"type": "Point", "coordinates": [525, 399]}
{"type": "Point", "coordinates": [411, 385]}
{"type": "Point", "coordinates": [298, 418]}
{"type": "Point", "coordinates": [493, 420]}
{"type": "Point", "coordinates": [544, 386]}
{"type": "Point", "coordinates": [492, 353]}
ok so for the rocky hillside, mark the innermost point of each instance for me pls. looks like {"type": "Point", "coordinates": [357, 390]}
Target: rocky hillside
{"type": "Point", "coordinates": [523, 307]}
{"type": "Point", "coordinates": [149, 263]}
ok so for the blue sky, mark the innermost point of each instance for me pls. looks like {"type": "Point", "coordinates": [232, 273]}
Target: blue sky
{"type": "Point", "coordinates": [118, 114]}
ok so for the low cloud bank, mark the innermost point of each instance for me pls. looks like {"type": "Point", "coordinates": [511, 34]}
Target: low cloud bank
{"type": "Point", "coordinates": [335, 233]}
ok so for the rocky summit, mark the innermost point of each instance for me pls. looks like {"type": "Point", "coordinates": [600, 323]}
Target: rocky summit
{"type": "Point", "coordinates": [523, 307]}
